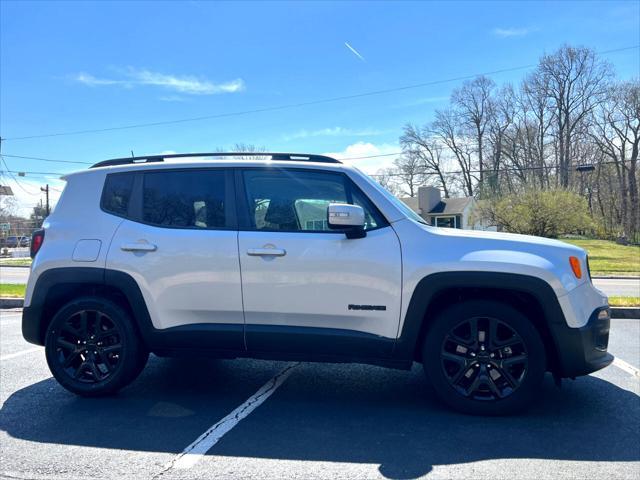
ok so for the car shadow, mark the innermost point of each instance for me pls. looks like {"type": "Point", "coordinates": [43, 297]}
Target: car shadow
{"type": "Point", "coordinates": [332, 413]}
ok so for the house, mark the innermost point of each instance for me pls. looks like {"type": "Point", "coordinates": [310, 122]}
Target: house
{"type": "Point", "coordinates": [446, 212]}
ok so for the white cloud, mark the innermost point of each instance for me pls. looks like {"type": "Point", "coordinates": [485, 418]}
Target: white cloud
{"type": "Point", "coordinates": [512, 32]}
{"type": "Point", "coordinates": [333, 132]}
{"type": "Point", "coordinates": [384, 154]}
{"type": "Point", "coordinates": [92, 81]}
{"type": "Point", "coordinates": [185, 84]}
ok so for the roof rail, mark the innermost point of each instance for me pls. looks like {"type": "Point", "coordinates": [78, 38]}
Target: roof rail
{"type": "Point", "coordinates": [291, 157]}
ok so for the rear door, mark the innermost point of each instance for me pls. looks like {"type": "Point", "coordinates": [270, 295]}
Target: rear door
{"type": "Point", "coordinates": [179, 242]}
{"type": "Point", "coordinates": [308, 289]}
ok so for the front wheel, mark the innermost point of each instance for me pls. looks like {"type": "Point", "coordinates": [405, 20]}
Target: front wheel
{"type": "Point", "coordinates": [484, 358]}
{"type": "Point", "coordinates": [92, 348]}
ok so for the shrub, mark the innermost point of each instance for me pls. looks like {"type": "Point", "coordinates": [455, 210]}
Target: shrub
{"type": "Point", "coordinates": [545, 213]}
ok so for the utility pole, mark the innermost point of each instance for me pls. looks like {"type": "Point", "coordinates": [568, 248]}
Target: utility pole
{"type": "Point", "coordinates": [46, 190]}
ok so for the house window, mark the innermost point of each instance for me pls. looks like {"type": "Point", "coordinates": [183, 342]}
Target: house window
{"type": "Point", "coordinates": [452, 221]}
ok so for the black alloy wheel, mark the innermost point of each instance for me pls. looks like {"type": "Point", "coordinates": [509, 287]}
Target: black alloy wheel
{"type": "Point", "coordinates": [89, 346]}
{"type": "Point", "coordinates": [93, 348]}
{"type": "Point", "coordinates": [484, 358]}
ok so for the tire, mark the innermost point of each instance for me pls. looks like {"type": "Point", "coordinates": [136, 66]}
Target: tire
{"type": "Point", "coordinates": [498, 372]}
{"type": "Point", "coordinates": [92, 347]}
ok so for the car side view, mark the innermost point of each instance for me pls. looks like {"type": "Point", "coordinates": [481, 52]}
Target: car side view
{"type": "Point", "coordinates": [299, 257]}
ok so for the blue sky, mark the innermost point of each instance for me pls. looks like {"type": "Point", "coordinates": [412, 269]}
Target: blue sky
{"type": "Point", "coordinates": [68, 66]}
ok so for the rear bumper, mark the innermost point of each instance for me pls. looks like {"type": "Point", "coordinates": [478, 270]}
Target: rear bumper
{"type": "Point", "coordinates": [583, 350]}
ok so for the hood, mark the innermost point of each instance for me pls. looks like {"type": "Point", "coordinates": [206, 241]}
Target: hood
{"type": "Point", "coordinates": [514, 240]}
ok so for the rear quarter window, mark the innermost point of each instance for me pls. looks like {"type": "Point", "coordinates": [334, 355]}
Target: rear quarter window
{"type": "Point", "coordinates": [117, 193]}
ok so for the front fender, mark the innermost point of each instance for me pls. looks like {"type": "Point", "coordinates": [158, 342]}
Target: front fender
{"type": "Point", "coordinates": [429, 287]}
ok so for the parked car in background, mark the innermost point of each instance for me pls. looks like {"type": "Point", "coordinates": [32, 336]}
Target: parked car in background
{"type": "Point", "coordinates": [14, 241]}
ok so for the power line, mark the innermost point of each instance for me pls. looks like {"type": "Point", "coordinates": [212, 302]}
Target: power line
{"type": "Point", "coordinates": [294, 105]}
{"type": "Point", "coordinates": [489, 171]}
{"type": "Point", "coordinates": [41, 159]}
{"type": "Point", "coordinates": [16, 180]}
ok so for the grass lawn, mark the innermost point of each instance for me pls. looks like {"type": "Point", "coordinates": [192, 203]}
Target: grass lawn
{"type": "Point", "coordinates": [624, 301]}
{"type": "Point", "coordinates": [14, 290]}
{"type": "Point", "coordinates": [15, 261]}
{"type": "Point", "coordinates": [609, 258]}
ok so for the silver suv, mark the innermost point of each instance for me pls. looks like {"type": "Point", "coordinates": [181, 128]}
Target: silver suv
{"type": "Point", "coordinates": [287, 256]}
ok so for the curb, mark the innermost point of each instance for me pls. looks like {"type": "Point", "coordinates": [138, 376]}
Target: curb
{"type": "Point", "coordinates": [615, 277]}
{"type": "Point", "coordinates": [14, 266]}
{"type": "Point", "coordinates": [11, 302]}
{"type": "Point", "coordinates": [625, 312]}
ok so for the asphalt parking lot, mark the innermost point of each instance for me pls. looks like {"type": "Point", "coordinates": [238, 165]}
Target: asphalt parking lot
{"type": "Point", "coordinates": [312, 421]}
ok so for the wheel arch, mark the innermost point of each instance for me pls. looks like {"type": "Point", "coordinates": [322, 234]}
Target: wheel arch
{"type": "Point", "coordinates": [56, 287]}
{"type": "Point", "coordinates": [531, 296]}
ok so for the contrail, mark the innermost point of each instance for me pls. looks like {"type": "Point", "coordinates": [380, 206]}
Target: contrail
{"type": "Point", "coordinates": [355, 52]}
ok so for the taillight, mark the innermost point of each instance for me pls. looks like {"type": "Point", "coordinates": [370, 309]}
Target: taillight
{"type": "Point", "coordinates": [37, 239]}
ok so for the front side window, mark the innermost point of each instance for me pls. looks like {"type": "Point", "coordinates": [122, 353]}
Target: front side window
{"type": "Point", "coordinates": [185, 199]}
{"type": "Point", "coordinates": [294, 200]}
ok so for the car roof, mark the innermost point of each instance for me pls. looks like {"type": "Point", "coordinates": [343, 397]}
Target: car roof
{"type": "Point", "coordinates": [271, 156]}
{"type": "Point", "coordinates": [199, 160]}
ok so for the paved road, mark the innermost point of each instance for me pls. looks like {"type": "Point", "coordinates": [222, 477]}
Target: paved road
{"type": "Point", "coordinates": [322, 422]}
{"type": "Point", "coordinates": [620, 287]}
{"type": "Point", "coordinates": [14, 274]}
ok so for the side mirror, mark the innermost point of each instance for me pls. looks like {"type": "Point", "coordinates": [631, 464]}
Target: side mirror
{"type": "Point", "coordinates": [350, 218]}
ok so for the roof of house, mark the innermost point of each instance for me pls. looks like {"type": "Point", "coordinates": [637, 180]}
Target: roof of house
{"type": "Point", "coordinates": [450, 206]}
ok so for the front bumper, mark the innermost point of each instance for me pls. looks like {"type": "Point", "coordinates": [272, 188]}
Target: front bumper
{"type": "Point", "coordinates": [583, 350]}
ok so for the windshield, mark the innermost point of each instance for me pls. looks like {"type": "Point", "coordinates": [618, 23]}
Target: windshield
{"type": "Point", "coordinates": [399, 204]}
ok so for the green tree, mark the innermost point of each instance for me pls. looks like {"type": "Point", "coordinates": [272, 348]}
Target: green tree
{"type": "Point", "coordinates": [545, 213]}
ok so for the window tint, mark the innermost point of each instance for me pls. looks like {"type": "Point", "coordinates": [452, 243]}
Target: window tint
{"type": "Point", "coordinates": [288, 200]}
{"type": "Point", "coordinates": [188, 198]}
{"type": "Point", "coordinates": [117, 192]}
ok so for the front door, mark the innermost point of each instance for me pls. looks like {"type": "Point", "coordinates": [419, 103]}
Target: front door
{"type": "Point", "coordinates": [308, 289]}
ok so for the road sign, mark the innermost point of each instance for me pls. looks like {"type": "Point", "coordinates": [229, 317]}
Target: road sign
{"type": "Point", "coordinates": [5, 227]}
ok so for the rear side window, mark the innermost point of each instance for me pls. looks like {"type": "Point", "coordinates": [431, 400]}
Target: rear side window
{"type": "Point", "coordinates": [117, 193]}
{"type": "Point", "coordinates": [185, 199]}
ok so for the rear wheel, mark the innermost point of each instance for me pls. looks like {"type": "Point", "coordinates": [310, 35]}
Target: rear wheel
{"type": "Point", "coordinates": [92, 347]}
{"type": "Point", "coordinates": [484, 358]}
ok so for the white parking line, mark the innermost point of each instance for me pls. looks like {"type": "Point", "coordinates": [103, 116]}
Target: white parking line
{"type": "Point", "coordinates": [627, 367]}
{"type": "Point", "coordinates": [194, 452]}
{"type": "Point", "coordinates": [19, 354]}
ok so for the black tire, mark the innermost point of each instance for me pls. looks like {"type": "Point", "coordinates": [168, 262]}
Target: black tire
{"type": "Point", "coordinates": [92, 347]}
{"type": "Point", "coordinates": [498, 372]}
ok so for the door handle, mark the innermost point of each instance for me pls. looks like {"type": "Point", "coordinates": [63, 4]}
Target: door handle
{"type": "Point", "coordinates": [271, 252]}
{"type": "Point", "coordinates": [138, 247]}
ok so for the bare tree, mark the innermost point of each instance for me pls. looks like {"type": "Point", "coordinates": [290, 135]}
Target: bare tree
{"type": "Point", "coordinates": [535, 105]}
{"type": "Point", "coordinates": [410, 171]}
{"type": "Point", "coordinates": [423, 145]}
{"type": "Point", "coordinates": [576, 83]}
{"type": "Point", "coordinates": [616, 131]}
{"type": "Point", "coordinates": [475, 104]}
{"type": "Point", "coordinates": [387, 177]}
{"type": "Point", "coordinates": [446, 129]}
